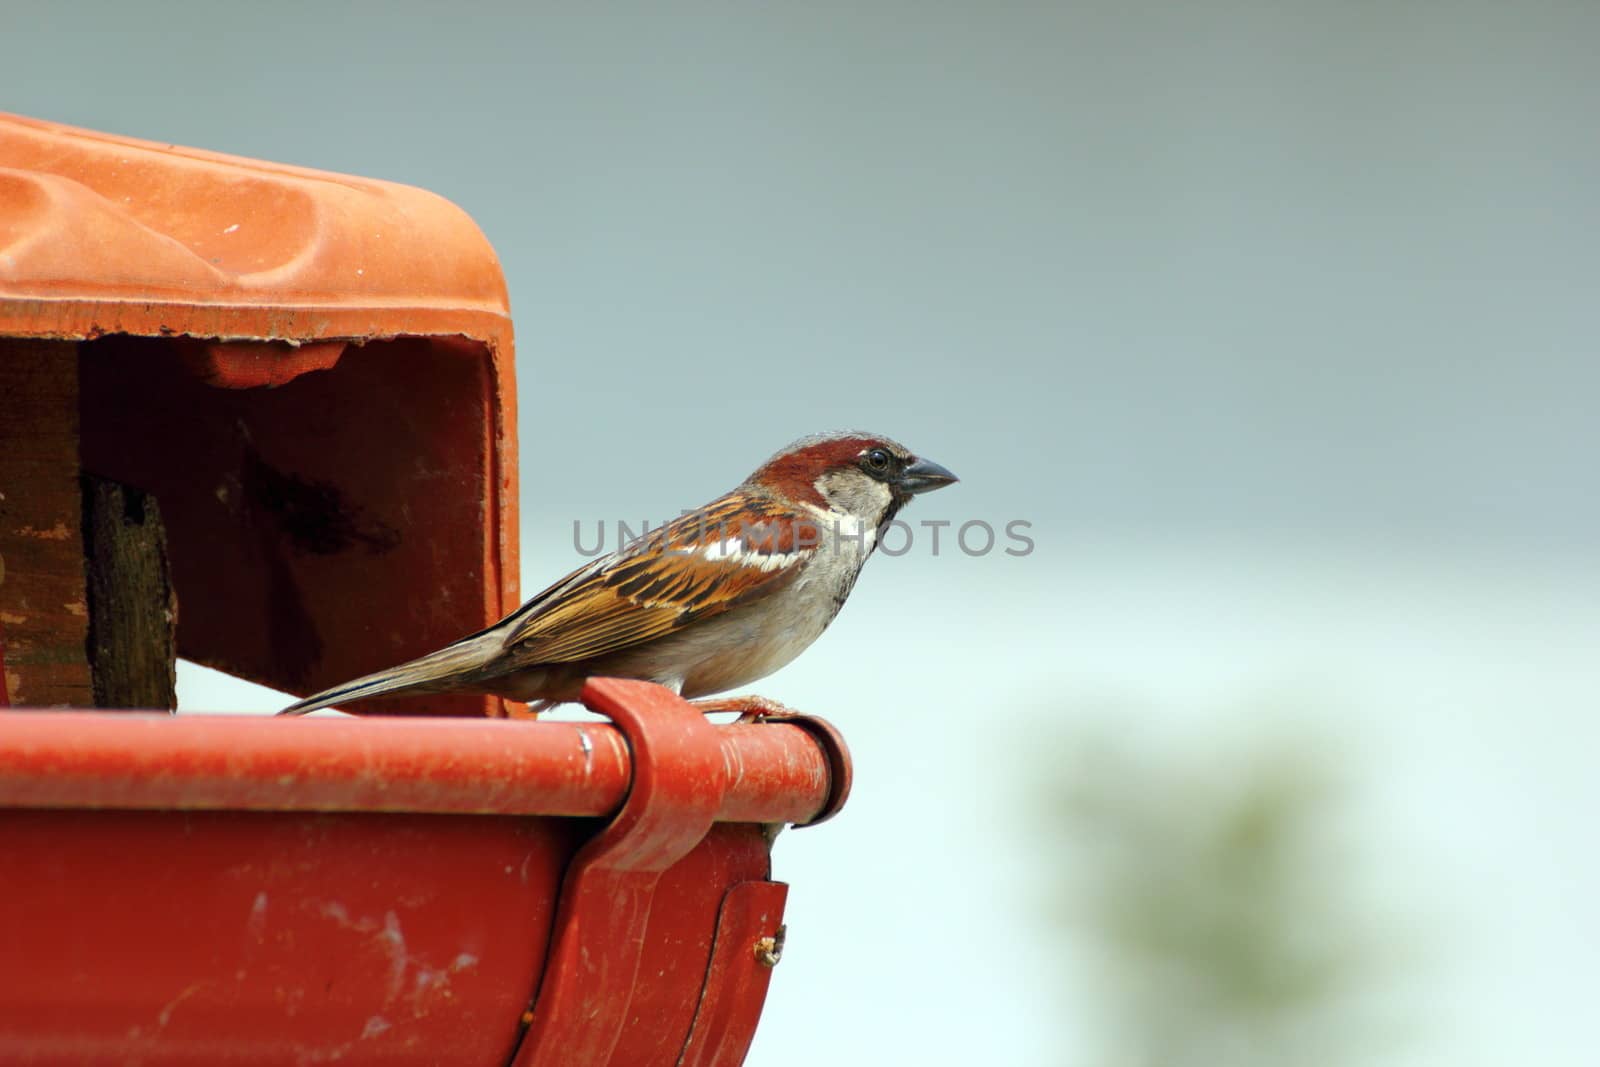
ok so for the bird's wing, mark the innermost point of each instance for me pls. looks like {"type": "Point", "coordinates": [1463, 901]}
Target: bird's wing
{"type": "Point", "coordinates": [737, 549]}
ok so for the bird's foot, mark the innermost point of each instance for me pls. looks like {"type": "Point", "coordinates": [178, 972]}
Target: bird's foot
{"type": "Point", "coordinates": [751, 708]}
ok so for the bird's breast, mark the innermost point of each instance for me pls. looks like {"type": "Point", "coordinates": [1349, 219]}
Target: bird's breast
{"type": "Point", "coordinates": [751, 642]}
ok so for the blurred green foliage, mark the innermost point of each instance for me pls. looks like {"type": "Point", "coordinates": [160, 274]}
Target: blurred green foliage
{"type": "Point", "coordinates": [1213, 905]}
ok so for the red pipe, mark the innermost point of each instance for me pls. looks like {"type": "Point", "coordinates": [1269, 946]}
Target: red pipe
{"type": "Point", "coordinates": [776, 771]}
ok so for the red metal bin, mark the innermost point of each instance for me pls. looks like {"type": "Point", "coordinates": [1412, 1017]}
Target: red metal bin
{"type": "Point", "coordinates": [312, 375]}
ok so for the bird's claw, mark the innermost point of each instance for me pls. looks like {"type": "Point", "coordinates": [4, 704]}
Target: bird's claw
{"type": "Point", "coordinates": [750, 708]}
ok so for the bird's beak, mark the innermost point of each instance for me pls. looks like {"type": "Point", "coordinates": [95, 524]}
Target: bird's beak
{"type": "Point", "coordinates": [924, 475]}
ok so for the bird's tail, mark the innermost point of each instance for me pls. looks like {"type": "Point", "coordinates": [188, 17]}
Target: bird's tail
{"type": "Point", "coordinates": [436, 672]}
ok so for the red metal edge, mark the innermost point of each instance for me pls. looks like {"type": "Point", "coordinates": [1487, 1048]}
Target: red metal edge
{"type": "Point", "coordinates": [749, 941]}
{"type": "Point", "coordinates": [773, 772]}
{"type": "Point", "coordinates": [680, 776]}
{"type": "Point", "coordinates": [828, 738]}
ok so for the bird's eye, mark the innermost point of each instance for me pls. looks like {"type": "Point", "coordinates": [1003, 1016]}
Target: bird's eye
{"type": "Point", "coordinates": [878, 459]}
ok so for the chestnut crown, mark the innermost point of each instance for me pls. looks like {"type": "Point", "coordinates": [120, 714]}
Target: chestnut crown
{"type": "Point", "coordinates": [862, 474]}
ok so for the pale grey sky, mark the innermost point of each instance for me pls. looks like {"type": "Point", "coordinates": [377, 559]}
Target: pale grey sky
{"type": "Point", "coordinates": [1235, 266]}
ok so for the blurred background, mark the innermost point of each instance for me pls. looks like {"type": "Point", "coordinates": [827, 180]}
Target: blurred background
{"type": "Point", "coordinates": [1275, 321]}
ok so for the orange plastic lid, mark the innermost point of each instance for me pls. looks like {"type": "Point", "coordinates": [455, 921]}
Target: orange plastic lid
{"type": "Point", "coordinates": [91, 217]}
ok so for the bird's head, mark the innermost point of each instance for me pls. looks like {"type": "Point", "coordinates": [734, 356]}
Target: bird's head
{"type": "Point", "coordinates": [853, 473]}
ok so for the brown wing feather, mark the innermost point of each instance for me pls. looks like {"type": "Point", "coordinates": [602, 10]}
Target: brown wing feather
{"type": "Point", "coordinates": [664, 581]}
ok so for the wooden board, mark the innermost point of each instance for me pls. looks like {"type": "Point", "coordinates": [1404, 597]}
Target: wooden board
{"type": "Point", "coordinates": [44, 608]}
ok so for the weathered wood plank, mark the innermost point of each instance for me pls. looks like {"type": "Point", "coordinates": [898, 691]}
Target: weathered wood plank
{"type": "Point", "coordinates": [132, 610]}
{"type": "Point", "coordinates": [44, 608]}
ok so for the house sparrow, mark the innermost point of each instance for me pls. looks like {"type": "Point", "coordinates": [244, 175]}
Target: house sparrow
{"type": "Point", "coordinates": [715, 599]}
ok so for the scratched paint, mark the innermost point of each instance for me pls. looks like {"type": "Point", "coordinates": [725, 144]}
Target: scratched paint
{"type": "Point", "coordinates": [256, 925]}
{"type": "Point", "coordinates": [425, 979]}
